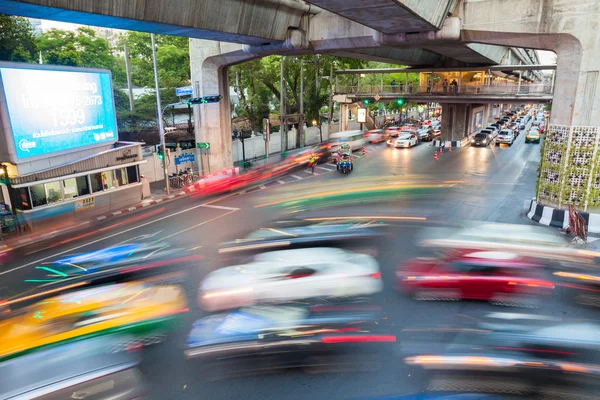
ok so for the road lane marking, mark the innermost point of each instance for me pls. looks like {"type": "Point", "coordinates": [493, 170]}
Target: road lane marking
{"type": "Point", "coordinates": [221, 207]}
{"type": "Point", "coordinates": [297, 177]}
{"type": "Point", "coordinates": [324, 169]}
{"type": "Point", "coordinates": [262, 187]}
{"type": "Point", "coordinates": [281, 182]}
{"type": "Point", "coordinates": [106, 237]}
{"type": "Point", "coordinates": [197, 225]}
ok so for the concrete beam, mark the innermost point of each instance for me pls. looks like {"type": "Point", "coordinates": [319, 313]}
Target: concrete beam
{"type": "Point", "coordinates": [392, 16]}
{"type": "Point", "coordinates": [239, 21]}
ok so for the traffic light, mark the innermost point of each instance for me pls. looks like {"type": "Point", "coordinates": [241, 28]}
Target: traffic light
{"type": "Point", "coordinates": [160, 154]}
{"type": "Point", "coordinates": [204, 100]}
{"type": "Point", "coordinates": [366, 102]}
{"type": "Point", "coordinates": [400, 102]}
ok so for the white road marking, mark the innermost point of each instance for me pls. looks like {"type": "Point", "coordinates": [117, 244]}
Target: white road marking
{"type": "Point", "coordinates": [263, 187]}
{"type": "Point", "coordinates": [297, 177]}
{"type": "Point", "coordinates": [280, 182]}
{"type": "Point", "coordinates": [106, 237]}
{"type": "Point", "coordinates": [308, 171]}
{"type": "Point", "coordinates": [221, 207]}
{"type": "Point", "coordinates": [324, 169]}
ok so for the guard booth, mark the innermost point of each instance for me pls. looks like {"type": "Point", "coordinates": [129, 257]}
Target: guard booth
{"type": "Point", "coordinates": [59, 149]}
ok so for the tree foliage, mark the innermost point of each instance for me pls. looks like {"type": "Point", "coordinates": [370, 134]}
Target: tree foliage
{"type": "Point", "coordinates": [17, 39]}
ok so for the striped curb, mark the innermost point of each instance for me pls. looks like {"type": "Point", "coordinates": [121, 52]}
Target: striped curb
{"type": "Point", "coordinates": [550, 216]}
{"type": "Point", "coordinates": [451, 143]}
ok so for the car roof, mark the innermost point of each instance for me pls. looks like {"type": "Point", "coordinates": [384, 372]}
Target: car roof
{"type": "Point", "coordinates": [486, 130]}
{"type": "Point", "coordinates": [492, 258]}
{"type": "Point", "coordinates": [58, 365]}
{"type": "Point", "coordinates": [303, 256]}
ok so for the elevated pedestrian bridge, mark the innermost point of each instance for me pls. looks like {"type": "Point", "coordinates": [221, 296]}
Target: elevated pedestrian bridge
{"type": "Point", "coordinates": [509, 93]}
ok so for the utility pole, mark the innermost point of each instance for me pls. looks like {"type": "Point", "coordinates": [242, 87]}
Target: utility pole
{"type": "Point", "coordinates": [161, 131]}
{"type": "Point", "coordinates": [282, 129]}
{"type": "Point", "coordinates": [128, 69]}
{"type": "Point", "coordinates": [301, 118]}
{"type": "Point", "coordinates": [330, 106]}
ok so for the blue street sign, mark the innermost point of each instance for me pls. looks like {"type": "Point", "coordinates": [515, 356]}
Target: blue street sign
{"type": "Point", "coordinates": [184, 158]}
{"type": "Point", "coordinates": [184, 91]}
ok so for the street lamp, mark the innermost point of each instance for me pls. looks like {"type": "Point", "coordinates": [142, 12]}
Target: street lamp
{"type": "Point", "coordinates": [314, 122]}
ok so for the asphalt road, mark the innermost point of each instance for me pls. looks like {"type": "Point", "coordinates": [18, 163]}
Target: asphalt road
{"type": "Point", "coordinates": [487, 184]}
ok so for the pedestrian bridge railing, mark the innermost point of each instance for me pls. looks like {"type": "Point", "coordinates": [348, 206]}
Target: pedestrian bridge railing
{"type": "Point", "coordinates": [451, 90]}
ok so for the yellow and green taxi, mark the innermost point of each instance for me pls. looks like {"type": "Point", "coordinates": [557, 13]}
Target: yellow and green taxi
{"type": "Point", "coordinates": [533, 135]}
{"type": "Point", "coordinates": [138, 309]}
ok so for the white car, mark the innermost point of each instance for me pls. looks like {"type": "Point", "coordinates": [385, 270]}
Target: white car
{"type": "Point", "coordinates": [505, 136]}
{"type": "Point", "coordinates": [406, 139]}
{"type": "Point", "coordinates": [289, 275]}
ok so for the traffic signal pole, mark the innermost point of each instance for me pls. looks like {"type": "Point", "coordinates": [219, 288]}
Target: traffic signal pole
{"type": "Point", "coordinates": [161, 131]}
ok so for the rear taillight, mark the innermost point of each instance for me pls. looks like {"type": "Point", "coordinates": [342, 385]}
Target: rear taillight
{"type": "Point", "coordinates": [375, 275]}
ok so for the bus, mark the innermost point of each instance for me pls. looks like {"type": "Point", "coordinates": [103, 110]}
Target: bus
{"type": "Point", "coordinates": [356, 140]}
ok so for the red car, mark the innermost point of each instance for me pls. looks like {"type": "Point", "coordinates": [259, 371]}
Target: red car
{"type": "Point", "coordinates": [498, 277]}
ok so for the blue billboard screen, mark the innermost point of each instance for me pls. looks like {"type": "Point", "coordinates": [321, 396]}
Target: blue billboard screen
{"type": "Point", "coordinates": [51, 111]}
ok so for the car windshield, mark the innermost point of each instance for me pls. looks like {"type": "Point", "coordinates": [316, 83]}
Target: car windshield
{"type": "Point", "coordinates": [405, 136]}
{"type": "Point", "coordinates": [480, 136]}
{"type": "Point", "coordinates": [504, 132]}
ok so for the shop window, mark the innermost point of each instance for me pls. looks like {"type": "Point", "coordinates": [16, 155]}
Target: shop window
{"type": "Point", "coordinates": [120, 177]}
{"type": "Point", "coordinates": [96, 181]}
{"type": "Point", "coordinates": [132, 174]}
{"type": "Point", "coordinates": [38, 195]}
{"type": "Point", "coordinates": [108, 180]}
{"type": "Point", "coordinates": [25, 201]}
{"type": "Point", "coordinates": [74, 187]}
{"type": "Point", "coordinates": [53, 192]}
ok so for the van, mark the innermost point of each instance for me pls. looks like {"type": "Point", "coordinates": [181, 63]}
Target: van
{"type": "Point", "coordinates": [355, 139]}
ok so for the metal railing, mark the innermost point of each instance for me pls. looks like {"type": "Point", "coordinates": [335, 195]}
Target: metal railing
{"type": "Point", "coordinates": [451, 90]}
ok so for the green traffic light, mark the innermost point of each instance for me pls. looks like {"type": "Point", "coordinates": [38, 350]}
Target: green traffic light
{"type": "Point", "coordinates": [161, 155]}
{"type": "Point", "coordinates": [366, 102]}
{"type": "Point", "coordinates": [400, 102]}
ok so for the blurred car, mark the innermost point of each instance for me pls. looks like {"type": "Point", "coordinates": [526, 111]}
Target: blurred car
{"type": "Point", "coordinates": [482, 138]}
{"type": "Point", "coordinates": [295, 235]}
{"type": "Point", "coordinates": [494, 129]}
{"type": "Point", "coordinates": [505, 136]}
{"type": "Point", "coordinates": [272, 337]}
{"type": "Point", "coordinates": [538, 357]}
{"type": "Point", "coordinates": [426, 133]}
{"type": "Point", "coordinates": [501, 278]}
{"type": "Point", "coordinates": [392, 131]}
{"type": "Point", "coordinates": [144, 310]}
{"type": "Point", "coordinates": [406, 139]}
{"type": "Point", "coordinates": [376, 135]}
{"type": "Point", "coordinates": [580, 285]}
{"type": "Point", "coordinates": [532, 136]}
{"type": "Point", "coordinates": [515, 128]}
{"type": "Point", "coordinates": [89, 369]}
{"type": "Point", "coordinates": [288, 275]}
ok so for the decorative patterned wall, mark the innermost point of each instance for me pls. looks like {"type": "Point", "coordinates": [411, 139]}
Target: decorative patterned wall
{"type": "Point", "coordinates": [569, 171]}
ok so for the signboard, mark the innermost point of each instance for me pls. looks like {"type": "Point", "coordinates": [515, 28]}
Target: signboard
{"type": "Point", "coordinates": [184, 91]}
{"type": "Point", "coordinates": [361, 116]}
{"type": "Point", "coordinates": [52, 110]}
{"type": "Point", "coordinates": [85, 204]}
{"type": "Point", "coordinates": [184, 158]}
{"type": "Point", "coordinates": [203, 145]}
{"type": "Point", "coordinates": [377, 97]}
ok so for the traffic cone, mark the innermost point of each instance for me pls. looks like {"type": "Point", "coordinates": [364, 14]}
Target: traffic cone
{"type": "Point", "coordinates": [441, 151]}
{"type": "Point", "coordinates": [435, 157]}
{"type": "Point", "coordinates": [364, 151]}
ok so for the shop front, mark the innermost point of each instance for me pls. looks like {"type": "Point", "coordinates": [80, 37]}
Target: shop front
{"type": "Point", "coordinates": [105, 182]}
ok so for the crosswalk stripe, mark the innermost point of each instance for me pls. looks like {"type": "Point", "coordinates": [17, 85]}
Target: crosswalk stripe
{"type": "Point", "coordinates": [297, 177]}
{"type": "Point", "coordinates": [280, 181]}
{"type": "Point", "coordinates": [323, 168]}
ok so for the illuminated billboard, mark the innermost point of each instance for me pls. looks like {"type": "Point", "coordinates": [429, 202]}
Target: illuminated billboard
{"type": "Point", "coordinates": [58, 109]}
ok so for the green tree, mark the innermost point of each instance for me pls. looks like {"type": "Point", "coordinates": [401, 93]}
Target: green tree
{"type": "Point", "coordinates": [17, 39]}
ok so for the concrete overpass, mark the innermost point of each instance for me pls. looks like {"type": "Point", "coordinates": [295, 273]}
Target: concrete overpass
{"type": "Point", "coordinates": [444, 33]}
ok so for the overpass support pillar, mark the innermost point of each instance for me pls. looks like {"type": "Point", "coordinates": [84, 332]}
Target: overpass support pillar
{"type": "Point", "coordinates": [343, 117]}
{"type": "Point", "coordinates": [455, 121]}
{"type": "Point", "coordinates": [212, 122]}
